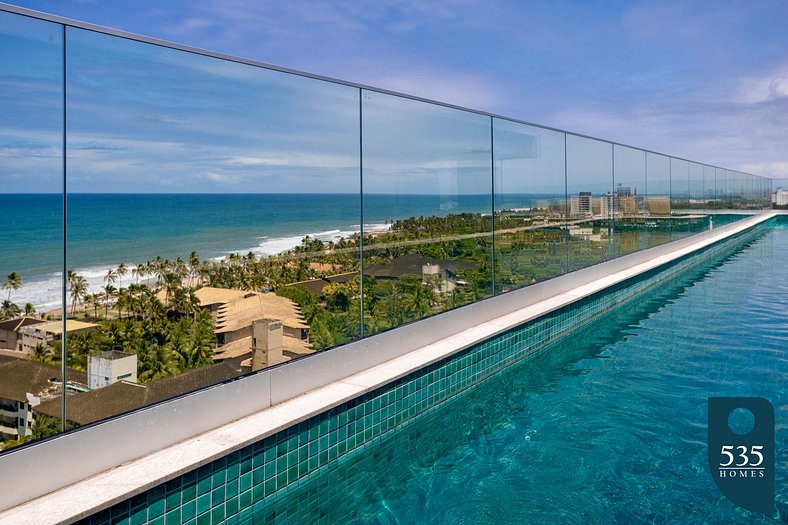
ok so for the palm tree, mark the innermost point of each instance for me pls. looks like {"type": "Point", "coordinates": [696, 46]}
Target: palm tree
{"type": "Point", "coordinates": [155, 362]}
{"type": "Point", "coordinates": [420, 300]}
{"type": "Point", "coordinates": [124, 301]}
{"type": "Point", "coordinates": [202, 339]}
{"type": "Point", "coordinates": [42, 354]}
{"type": "Point", "coordinates": [194, 267]}
{"type": "Point", "coordinates": [9, 310]}
{"type": "Point", "coordinates": [120, 272]}
{"type": "Point", "coordinates": [181, 353]}
{"type": "Point", "coordinates": [179, 268]}
{"type": "Point", "coordinates": [12, 282]}
{"type": "Point", "coordinates": [111, 277]}
{"type": "Point", "coordinates": [94, 300]}
{"type": "Point", "coordinates": [159, 268]}
{"type": "Point", "coordinates": [46, 426]}
{"type": "Point", "coordinates": [137, 272]}
{"type": "Point", "coordinates": [108, 291]}
{"type": "Point", "coordinates": [30, 309]}
{"type": "Point", "coordinates": [78, 287]}
{"type": "Point", "coordinates": [171, 283]}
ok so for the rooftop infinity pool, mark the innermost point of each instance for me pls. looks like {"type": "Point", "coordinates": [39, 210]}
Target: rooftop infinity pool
{"type": "Point", "coordinates": [607, 426]}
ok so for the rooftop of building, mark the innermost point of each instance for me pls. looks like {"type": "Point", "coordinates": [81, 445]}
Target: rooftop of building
{"type": "Point", "coordinates": [242, 348]}
{"type": "Point", "coordinates": [18, 377]}
{"type": "Point", "coordinates": [15, 324]}
{"type": "Point", "coordinates": [409, 264]}
{"type": "Point", "coordinates": [241, 313]}
{"type": "Point", "coordinates": [56, 327]}
{"type": "Point", "coordinates": [208, 295]}
{"type": "Point", "coordinates": [123, 396]}
{"type": "Point", "coordinates": [112, 355]}
{"type": "Point", "coordinates": [412, 264]}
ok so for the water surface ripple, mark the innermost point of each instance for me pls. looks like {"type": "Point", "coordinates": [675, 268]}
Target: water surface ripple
{"type": "Point", "coordinates": [609, 426]}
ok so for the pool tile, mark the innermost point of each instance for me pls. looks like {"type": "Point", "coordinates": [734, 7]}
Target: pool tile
{"type": "Point", "coordinates": [246, 479]}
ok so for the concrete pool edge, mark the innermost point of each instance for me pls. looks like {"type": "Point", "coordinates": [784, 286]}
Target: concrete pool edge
{"type": "Point", "coordinates": [103, 490]}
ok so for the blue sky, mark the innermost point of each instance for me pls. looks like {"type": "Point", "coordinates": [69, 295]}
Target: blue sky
{"type": "Point", "coordinates": [701, 80]}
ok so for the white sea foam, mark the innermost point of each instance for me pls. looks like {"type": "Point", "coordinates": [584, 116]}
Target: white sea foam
{"type": "Point", "coordinates": [375, 227]}
{"type": "Point", "coordinates": [44, 292]}
{"type": "Point", "coordinates": [278, 245]}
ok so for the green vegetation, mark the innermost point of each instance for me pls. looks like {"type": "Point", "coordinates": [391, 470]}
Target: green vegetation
{"type": "Point", "coordinates": [9, 310]}
{"type": "Point", "coordinates": [171, 333]}
{"type": "Point", "coordinates": [164, 347]}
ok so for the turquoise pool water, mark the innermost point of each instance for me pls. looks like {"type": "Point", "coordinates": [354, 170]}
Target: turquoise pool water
{"type": "Point", "coordinates": [607, 426]}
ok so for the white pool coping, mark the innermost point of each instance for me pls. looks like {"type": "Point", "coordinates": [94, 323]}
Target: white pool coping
{"type": "Point", "coordinates": [103, 490]}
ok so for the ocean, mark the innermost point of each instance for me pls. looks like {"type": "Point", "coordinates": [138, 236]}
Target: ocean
{"type": "Point", "coordinates": [107, 229]}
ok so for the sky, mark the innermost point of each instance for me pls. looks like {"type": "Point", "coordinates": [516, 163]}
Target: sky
{"type": "Point", "coordinates": [702, 80]}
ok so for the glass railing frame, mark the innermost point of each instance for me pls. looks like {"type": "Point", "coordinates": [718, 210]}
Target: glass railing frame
{"type": "Point", "coordinates": [748, 180]}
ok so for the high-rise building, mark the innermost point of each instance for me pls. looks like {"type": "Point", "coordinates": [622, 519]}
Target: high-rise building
{"type": "Point", "coordinates": [609, 206]}
{"type": "Point", "coordinates": [627, 204]}
{"type": "Point", "coordinates": [623, 191]}
{"type": "Point", "coordinates": [580, 206]}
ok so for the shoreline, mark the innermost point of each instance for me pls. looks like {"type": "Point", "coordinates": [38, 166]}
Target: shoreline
{"type": "Point", "coordinates": [37, 289]}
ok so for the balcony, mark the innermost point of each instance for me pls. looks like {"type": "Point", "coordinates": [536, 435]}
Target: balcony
{"type": "Point", "coordinates": [288, 268]}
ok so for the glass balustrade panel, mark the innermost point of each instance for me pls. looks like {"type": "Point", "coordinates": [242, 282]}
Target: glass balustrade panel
{"type": "Point", "coordinates": [530, 204]}
{"type": "Point", "coordinates": [427, 202]}
{"type": "Point", "coordinates": [31, 229]}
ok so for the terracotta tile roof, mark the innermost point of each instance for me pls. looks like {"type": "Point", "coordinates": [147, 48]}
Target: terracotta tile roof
{"type": "Point", "coordinates": [208, 295]}
{"type": "Point", "coordinates": [243, 346]}
{"type": "Point", "coordinates": [239, 314]}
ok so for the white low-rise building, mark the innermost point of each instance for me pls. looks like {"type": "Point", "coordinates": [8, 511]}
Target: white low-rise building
{"type": "Point", "coordinates": [110, 367]}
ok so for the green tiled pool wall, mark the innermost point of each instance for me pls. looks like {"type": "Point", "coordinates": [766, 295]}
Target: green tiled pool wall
{"type": "Point", "coordinates": [244, 484]}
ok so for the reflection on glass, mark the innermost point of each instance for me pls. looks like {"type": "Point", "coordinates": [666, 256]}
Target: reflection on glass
{"type": "Point", "coordinates": [724, 184]}
{"type": "Point", "coordinates": [736, 191]}
{"type": "Point", "coordinates": [592, 201]}
{"type": "Point", "coordinates": [679, 185]}
{"type": "Point", "coordinates": [530, 204]}
{"type": "Point", "coordinates": [657, 185]}
{"type": "Point", "coordinates": [777, 193]}
{"type": "Point", "coordinates": [427, 180]}
{"type": "Point", "coordinates": [696, 186]}
{"type": "Point", "coordinates": [709, 185]}
{"type": "Point", "coordinates": [687, 194]}
{"type": "Point", "coordinates": [216, 226]}
{"type": "Point", "coordinates": [753, 188]}
{"type": "Point", "coordinates": [31, 241]}
{"type": "Point", "coordinates": [717, 199]}
{"type": "Point", "coordinates": [630, 228]}
{"type": "Point", "coordinates": [213, 219]}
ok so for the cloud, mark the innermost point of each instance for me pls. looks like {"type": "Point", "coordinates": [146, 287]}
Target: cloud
{"type": "Point", "coordinates": [296, 159]}
{"type": "Point", "coordinates": [695, 79]}
{"type": "Point", "coordinates": [225, 178]}
{"type": "Point", "coordinates": [775, 170]}
{"type": "Point", "coordinates": [764, 87]}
